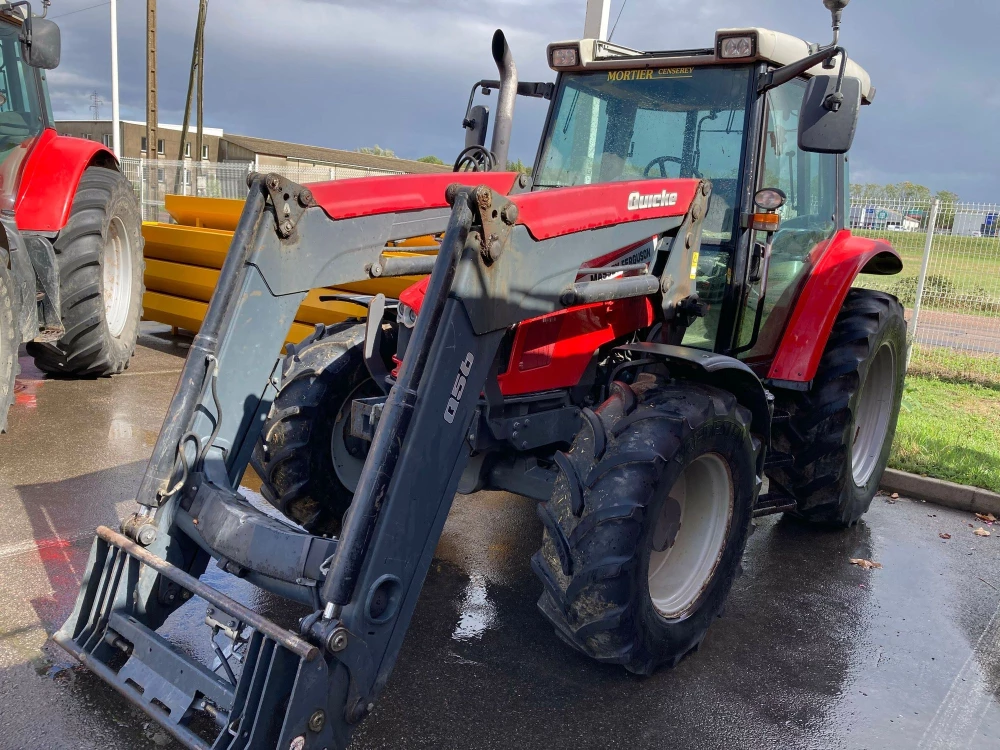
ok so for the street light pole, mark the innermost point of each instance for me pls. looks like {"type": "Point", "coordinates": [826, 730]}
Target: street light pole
{"type": "Point", "coordinates": [116, 145]}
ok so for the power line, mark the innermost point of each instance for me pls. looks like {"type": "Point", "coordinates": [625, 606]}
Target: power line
{"type": "Point", "coordinates": [80, 10]}
{"type": "Point", "coordinates": [617, 20]}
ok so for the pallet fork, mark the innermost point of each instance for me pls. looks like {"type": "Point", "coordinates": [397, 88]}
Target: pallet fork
{"type": "Point", "coordinates": [502, 260]}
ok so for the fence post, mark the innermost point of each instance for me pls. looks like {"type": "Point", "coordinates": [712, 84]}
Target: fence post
{"type": "Point", "coordinates": [928, 245]}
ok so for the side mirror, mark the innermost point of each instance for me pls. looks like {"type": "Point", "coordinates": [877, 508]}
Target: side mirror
{"type": "Point", "coordinates": [828, 120]}
{"type": "Point", "coordinates": [475, 126]}
{"type": "Point", "coordinates": [41, 43]}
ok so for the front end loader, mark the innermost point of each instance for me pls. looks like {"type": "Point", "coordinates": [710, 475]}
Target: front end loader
{"type": "Point", "coordinates": [637, 351]}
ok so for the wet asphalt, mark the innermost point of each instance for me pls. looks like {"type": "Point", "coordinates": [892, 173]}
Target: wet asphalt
{"type": "Point", "coordinates": [812, 652]}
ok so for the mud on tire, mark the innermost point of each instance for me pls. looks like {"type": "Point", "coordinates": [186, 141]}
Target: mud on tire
{"type": "Point", "coordinates": [294, 456]}
{"type": "Point", "coordinates": [101, 268]}
{"type": "Point", "coordinates": [609, 509]}
{"type": "Point", "coordinates": [9, 339]}
{"type": "Point", "coordinates": [841, 437]}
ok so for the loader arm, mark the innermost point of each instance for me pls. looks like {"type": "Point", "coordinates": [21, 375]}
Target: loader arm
{"type": "Point", "coordinates": [502, 260]}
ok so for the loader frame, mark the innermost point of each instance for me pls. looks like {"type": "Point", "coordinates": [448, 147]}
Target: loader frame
{"type": "Point", "coordinates": [493, 270]}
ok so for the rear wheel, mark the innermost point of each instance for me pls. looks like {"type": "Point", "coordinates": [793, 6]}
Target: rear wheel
{"type": "Point", "coordinates": [647, 522]}
{"type": "Point", "coordinates": [840, 432]}
{"type": "Point", "coordinates": [9, 340]}
{"type": "Point", "coordinates": [101, 279]}
{"type": "Point", "coordinates": [308, 464]}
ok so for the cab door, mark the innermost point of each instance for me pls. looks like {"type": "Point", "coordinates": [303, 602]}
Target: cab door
{"type": "Point", "coordinates": [812, 214]}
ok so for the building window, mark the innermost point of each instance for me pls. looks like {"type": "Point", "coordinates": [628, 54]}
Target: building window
{"type": "Point", "coordinates": [142, 144]}
{"type": "Point", "coordinates": [88, 136]}
{"type": "Point", "coordinates": [187, 150]}
{"type": "Point", "coordinates": [204, 153]}
{"type": "Point", "coordinates": [107, 140]}
{"type": "Point", "coordinates": [160, 175]}
{"type": "Point", "coordinates": [159, 146]}
{"type": "Point", "coordinates": [187, 178]}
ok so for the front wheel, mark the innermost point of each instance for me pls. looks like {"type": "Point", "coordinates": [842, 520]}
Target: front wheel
{"type": "Point", "coordinates": [647, 522]}
{"type": "Point", "coordinates": [840, 431]}
{"type": "Point", "coordinates": [101, 268]}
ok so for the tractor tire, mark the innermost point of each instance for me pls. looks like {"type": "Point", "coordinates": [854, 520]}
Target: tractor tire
{"type": "Point", "coordinates": [840, 431]}
{"type": "Point", "coordinates": [9, 340]}
{"type": "Point", "coordinates": [307, 464]}
{"type": "Point", "coordinates": [101, 269]}
{"type": "Point", "coordinates": [647, 522]}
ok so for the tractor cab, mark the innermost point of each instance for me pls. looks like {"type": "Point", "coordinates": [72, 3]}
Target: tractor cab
{"type": "Point", "coordinates": [28, 46]}
{"type": "Point", "coordinates": [731, 114]}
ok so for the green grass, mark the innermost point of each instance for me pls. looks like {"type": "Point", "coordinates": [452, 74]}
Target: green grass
{"type": "Point", "coordinates": [949, 431]}
{"type": "Point", "coordinates": [954, 366]}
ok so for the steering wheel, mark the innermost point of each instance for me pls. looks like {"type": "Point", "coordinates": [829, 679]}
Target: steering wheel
{"type": "Point", "coordinates": [475, 159]}
{"type": "Point", "coordinates": [661, 160]}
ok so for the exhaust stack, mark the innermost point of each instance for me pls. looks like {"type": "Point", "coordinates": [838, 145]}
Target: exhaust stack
{"type": "Point", "coordinates": [505, 106]}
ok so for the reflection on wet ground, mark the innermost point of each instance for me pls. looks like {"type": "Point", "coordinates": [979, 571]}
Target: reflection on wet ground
{"type": "Point", "coordinates": [812, 652]}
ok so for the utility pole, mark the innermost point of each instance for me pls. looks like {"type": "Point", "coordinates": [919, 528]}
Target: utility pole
{"type": "Point", "coordinates": [116, 145]}
{"type": "Point", "coordinates": [201, 79]}
{"type": "Point", "coordinates": [596, 24]}
{"type": "Point", "coordinates": [195, 57]}
{"type": "Point", "coordinates": [152, 111]}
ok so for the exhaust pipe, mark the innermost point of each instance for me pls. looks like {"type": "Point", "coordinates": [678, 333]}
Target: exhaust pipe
{"type": "Point", "coordinates": [504, 119]}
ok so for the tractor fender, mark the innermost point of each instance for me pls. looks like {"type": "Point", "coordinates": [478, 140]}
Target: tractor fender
{"type": "Point", "coordinates": [820, 301]}
{"type": "Point", "coordinates": [717, 370]}
{"type": "Point", "coordinates": [50, 177]}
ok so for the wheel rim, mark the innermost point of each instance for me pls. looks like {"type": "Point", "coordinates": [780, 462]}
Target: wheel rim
{"type": "Point", "coordinates": [690, 535]}
{"type": "Point", "coordinates": [117, 277]}
{"type": "Point", "coordinates": [873, 414]}
{"type": "Point", "coordinates": [347, 465]}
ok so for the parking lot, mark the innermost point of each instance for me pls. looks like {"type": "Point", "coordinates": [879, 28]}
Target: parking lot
{"type": "Point", "coordinates": [813, 652]}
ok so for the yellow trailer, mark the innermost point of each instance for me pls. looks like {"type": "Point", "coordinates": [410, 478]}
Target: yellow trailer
{"type": "Point", "coordinates": [183, 262]}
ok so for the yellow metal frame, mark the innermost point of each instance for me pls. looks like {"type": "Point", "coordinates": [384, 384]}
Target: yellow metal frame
{"type": "Point", "coordinates": [183, 262]}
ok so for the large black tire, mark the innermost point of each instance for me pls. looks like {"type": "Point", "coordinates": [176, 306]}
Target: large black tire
{"type": "Point", "coordinates": [9, 340]}
{"type": "Point", "coordinates": [607, 513]}
{"type": "Point", "coordinates": [98, 251]}
{"type": "Point", "coordinates": [831, 481]}
{"type": "Point", "coordinates": [294, 456]}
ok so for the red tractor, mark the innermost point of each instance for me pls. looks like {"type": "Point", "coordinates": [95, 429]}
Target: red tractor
{"type": "Point", "coordinates": [659, 326]}
{"type": "Point", "coordinates": [71, 266]}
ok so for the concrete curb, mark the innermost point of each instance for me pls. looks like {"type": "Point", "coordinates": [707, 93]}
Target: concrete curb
{"type": "Point", "coordinates": [940, 492]}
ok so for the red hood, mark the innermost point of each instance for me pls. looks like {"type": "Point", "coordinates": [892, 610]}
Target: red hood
{"type": "Point", "coordinates": [561, 211]}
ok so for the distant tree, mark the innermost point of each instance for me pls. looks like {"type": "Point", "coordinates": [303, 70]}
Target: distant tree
{"type": "Point", "coordinates": [519, 166]}
{"type": "Point", "coordinates": [376, 150]}
{"type": "Point", "coordinates": [430, 160]}
{"type": "Point", "coordinates": [946, 213]}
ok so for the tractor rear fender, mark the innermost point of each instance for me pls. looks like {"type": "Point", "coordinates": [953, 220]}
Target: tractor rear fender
{"type": "Point", "coordinates": [820, 300]}
{"type": "Point", "coordinates": [50, 178]}
{"type": "Point", "coordinates": [717, 370]}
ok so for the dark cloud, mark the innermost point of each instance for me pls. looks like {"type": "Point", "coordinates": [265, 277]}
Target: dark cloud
{"type": "Point", "coordinates": [397, 72]}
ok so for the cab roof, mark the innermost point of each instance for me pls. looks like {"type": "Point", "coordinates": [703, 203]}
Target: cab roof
{"type": "Point", "coordinates": [772, 47]}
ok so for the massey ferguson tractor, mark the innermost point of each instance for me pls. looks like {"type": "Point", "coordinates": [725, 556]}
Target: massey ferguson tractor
{"type": "Point", "coordinates": [642, 338]}
{"type": "Point", "coordinates": [71, 251]}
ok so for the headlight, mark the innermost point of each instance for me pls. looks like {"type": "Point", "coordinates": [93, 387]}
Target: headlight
{"type": "Point", "coordinates": [735, 47]}
{"type": "Point", "coordinates": [770, 199]}
{"type": "Point", "coordinates": [565, 57]}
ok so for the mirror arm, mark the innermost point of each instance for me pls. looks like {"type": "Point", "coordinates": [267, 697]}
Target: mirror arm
{"type": "Point", "coordinates": [782, 75]}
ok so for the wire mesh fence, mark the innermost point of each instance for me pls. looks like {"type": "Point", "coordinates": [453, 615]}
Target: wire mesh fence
{"type": "Point", "coordinates": [154, 179]}
{"type": "Point", "coordinates": [950, 283]}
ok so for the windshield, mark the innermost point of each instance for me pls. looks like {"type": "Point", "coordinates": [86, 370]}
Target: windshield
{"type": "Point", "coordinates": [636, 124]}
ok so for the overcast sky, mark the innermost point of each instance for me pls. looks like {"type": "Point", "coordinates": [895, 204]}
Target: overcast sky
{"type": "Point", "coordinates": [350, 73]}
